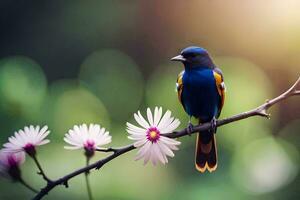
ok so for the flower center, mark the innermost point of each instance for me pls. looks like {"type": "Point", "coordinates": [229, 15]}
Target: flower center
{"type": "Point", "coordinates": [13, 168]}
{"type": "Point", "coordinates": [29, 149]}
{"type": "Point", "coordinates": [89, 147]}
{"type": "Point", "coordinates": [153, 134]}
{"type": "Point", "coordinates": [12, 161]}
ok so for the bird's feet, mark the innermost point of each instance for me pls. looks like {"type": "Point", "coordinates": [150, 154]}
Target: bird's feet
{"type": "Point", "coordinates": [190, 128]}
{"type": "Point", "coordinates": [213, 125]}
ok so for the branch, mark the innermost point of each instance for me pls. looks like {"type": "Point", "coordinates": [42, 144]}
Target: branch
{"type": "Point", "coordinates": [259, 111]}
{"type": "Point", "coordinates": [97, 165]}
{"type": "Point", "coordinates": [41, 171]}
{"type": "Point", "coordinates": [110, 149]}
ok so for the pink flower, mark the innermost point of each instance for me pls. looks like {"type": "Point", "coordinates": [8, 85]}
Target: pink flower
{"type": "Point", "coordinates": [89, 138]}
{"type": "Point", "coordinates": [150, 139]}
{"type": "Point", "coordinates": [27, 140]}
{"type": "Point", "coordinates": [9, 164]}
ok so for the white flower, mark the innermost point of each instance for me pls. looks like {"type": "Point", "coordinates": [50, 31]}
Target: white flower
{"type": "Point", "coordinates": [90, 138]}
{"type": "Point", "coordinates": [27, 139]}
{"type": "Point", "coordinates": [9, 164]}
{"type": "Point", "coordinates": [150, 139]}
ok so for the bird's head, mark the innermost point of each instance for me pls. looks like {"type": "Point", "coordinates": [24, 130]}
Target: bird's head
{"type": "Point", "coordinates": [194, 57]}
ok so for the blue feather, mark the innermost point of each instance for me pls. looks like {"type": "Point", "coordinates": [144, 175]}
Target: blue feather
{"type": "Point", "coordinates": [200, 96]}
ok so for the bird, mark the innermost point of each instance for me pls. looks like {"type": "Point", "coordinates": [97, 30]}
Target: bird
{"type": "Point", "coordinates": [201, 91]}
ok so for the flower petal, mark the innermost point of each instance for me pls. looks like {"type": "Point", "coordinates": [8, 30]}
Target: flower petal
{"type": "Point", "coordinates": [135, 128]}
{"type": "Point", "coordinates": [171, 127]}
{"type": "Point", "coordinates": [157, 116]}
{"type": "Point", "coordinates": [140, 142]}
{"type": "Point", "coordinates": [164, 119]}
{"type": "Point", "coordinates": [140, 119]}
{"type": "Point", "coordinates": [150, 117]}
{"type": "Point", "coordinates": [158, 153]}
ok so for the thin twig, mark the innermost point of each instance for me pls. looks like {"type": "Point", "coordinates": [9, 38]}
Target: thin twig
{"type": "Point", "coordinates": [259, 111]}
{"type": "Point", "coordinates": [41, 171]}
{"type": "Point", "coordinates": [27, 185]}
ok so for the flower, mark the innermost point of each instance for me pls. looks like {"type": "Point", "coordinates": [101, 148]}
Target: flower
{"type": "Point", "coordinates": [90, 138]}
{"type": "Point", "coordinates": [27, 139]}
{"type": "Point", "coordinates": [9, 164]}
{"type": "Point", "coordinates": [150, 139]}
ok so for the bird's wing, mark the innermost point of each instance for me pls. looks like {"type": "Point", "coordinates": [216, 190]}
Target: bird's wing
{"type": "Point", "coordinates": [220, 86]}
{"type": "Point", "coordinates": [179, 86]}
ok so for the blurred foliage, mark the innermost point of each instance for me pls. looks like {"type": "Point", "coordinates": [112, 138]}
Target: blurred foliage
{"type": "Point", "coordinates": [64, 63]}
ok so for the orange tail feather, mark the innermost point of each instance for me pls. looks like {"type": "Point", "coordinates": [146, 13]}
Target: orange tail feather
{"type": "Point", "coordinates": [206, 152]}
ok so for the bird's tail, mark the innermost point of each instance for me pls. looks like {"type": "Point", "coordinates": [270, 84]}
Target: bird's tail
{"type": "Point", "coordinates": [206, 152]}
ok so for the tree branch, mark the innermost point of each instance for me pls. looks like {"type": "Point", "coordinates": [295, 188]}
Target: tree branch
{"type": "Point", "coordinates": [259, 111]}
{"type": "Point", "coordinates": [110, 149]}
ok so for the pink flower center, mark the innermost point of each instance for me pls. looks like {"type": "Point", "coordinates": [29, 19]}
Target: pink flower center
{"type": "Point", "coordinates": [90, 144]}
{"type": "Point", "coordinates": [12, 160]}
{"type": "Point", "coordinates": [153, 134]}
{"type": "Point", "coordinates": [89, 148]}
{"type": "Point", "coordinates": [30, 149]}
{"type": "Point", "coordinates": [13, 167]}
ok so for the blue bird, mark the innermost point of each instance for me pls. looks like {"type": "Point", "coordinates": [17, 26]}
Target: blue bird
{"type": "Point", "coordinates": [201, 91]}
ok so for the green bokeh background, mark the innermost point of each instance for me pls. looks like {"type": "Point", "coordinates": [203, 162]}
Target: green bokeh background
{"type": "Point", "coordinates": [71, 62]}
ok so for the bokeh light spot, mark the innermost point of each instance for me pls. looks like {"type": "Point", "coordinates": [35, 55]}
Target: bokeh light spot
{"type": "Point", "coordinates": [70, 104]}
{"type": "Point", "coordinates": [114, 78]}
{"type": "Point", "coordinates": [265, 165]}
{"type": "Point", "coordinates": [161, 90]}
{"type": "Point", "coordinates": [22, 86]}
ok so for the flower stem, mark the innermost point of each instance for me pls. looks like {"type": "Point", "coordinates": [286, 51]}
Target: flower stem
{"type": "Point", "coordinates": [41, 171]}
{"type": "Point", "coordinates": [27, 185]}
{"type": "Point", "coordinates": [88, 186]}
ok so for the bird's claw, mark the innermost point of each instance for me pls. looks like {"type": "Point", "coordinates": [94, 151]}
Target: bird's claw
{"type": "Point", "coordinates": [190, 128]}
{"type": "Point", "coordinates": [213, 125]}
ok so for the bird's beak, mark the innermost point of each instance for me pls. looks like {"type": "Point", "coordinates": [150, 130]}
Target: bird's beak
{"type": "Point", "coordinates": [178, 58]}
